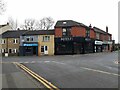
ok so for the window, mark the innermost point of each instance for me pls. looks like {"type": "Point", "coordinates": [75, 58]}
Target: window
{"type": "Point", "coordinates": [15, 41]}
{"type": "Point", "coordinates": [64, 22]}
{"type": "Point", "coordinates": [66, 31]}
{"type": "Point", "coordinates": [109, 38]}
{"type": "Point", "coordinates": [29, 39]}
{"type": "Point", "coordinates": [97, 36]}
{"type": "Point", "coordinates": [14, 51]}
{"type": "Point", "coordinates": [3, 41]}
{"type": "Point", "coordinates": [2, 50]}
{"type": "Point", "coordinates": [10, 50]}
{"type": "Point", "coordinates": [42, 48]}
{"type": "Point", "coordinates": [46, 38]}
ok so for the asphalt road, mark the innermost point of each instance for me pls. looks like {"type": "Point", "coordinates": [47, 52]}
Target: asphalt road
{"type": "Point", "coordinates": [13, 77]}
{"type": "Point", "coordinates": [74, 71]}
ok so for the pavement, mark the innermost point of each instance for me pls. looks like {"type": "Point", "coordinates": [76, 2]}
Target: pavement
{"type": "Point", "coordinates": [98, 70]}
{"type": "Point", "coordinates": [13, 77]}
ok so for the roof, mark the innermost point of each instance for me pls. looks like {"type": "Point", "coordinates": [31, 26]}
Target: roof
{"type": "Point", "coordinates": [100, 30]}
{"type": "Point", "coordinates": [4, 25]}
{"type": "Point", "coordinates": [68, 23]}
{"type": "Point", "coordinates": [40, 32]}
{"type": "Point", "coordinates": [13, 34]}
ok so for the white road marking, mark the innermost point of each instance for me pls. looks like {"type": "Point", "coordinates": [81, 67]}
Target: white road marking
{"type": "Point", "coordinates": [116, 62]}
{"type": "Point", "coordinates": [58, 62]}
{"type": "Point", "coordinates": [100, 71]}
{"type": "Point", "coordinates": [90, 69]}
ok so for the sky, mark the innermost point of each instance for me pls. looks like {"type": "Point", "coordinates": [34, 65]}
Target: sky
{"type": "Point", "coordinates": [99, 13]}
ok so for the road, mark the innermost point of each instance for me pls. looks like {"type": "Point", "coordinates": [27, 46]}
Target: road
{"type": "Point", "coordinates": [97, 70]}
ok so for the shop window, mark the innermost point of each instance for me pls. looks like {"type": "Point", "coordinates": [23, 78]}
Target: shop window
{"type": "Point", "coordinates": [42, 48]}
{"type": "Point", "coordinates": [28, 49]}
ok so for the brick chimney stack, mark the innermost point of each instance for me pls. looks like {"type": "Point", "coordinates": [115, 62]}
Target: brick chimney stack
{"type": "Point", "coordinates": [107, 29]}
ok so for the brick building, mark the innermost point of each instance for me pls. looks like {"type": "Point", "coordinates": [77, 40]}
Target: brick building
{"type": "Point", "coordinates": [10, 41]}
{"type": "Point", "coordinates": [72, 37]}
{"type": "Point", "coordinates": [38, 42]}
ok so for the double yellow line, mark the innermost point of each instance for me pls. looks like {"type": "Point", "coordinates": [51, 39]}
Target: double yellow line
{"type": "Point", "coordinates": [47, 84]}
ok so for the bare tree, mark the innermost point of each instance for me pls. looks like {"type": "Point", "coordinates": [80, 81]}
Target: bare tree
{"type": "Point", "coordinates": [29, 24]}
{"type": "Point", "coordinates": [13, 23]}
{"type": "Point", "coordinates": [45, 23]}
{"type": "Point", "coordinates": [2, 6]}
{"type": "Point", "coordinates": [49, 22]}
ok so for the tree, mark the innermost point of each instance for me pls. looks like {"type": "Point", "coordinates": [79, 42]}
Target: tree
{"type": "Point", "coordinates": [45, 23]}
{"type": "Point", "coordinates": [29, 24]}
{"type": "Point", "coordinates": [12, 23]}
{"type": "Point", "coordinates": [2, 6]}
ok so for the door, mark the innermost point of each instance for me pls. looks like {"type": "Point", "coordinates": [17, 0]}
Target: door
{"type": "Point", "coordinates": [45, 49]}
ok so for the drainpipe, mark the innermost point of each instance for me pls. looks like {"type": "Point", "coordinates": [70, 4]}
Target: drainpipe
{"type": "Point", "coordinates": [7, 45]}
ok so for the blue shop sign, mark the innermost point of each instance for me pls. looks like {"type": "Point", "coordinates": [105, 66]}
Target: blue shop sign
{"type": "Point", "coordinates": [30, 44]}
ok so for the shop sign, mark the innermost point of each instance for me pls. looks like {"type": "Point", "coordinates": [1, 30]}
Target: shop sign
{"type": "Point", "coordinates": [66, 39]}
{"type": "Point", "coordinates": [107, 42]}
{"type": "Point", "coordinates": [98, 42]}
{"type": "Point", "coordinates": [30, 44]}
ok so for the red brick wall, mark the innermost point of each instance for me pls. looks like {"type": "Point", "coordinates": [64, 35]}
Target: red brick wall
{"type": "Point", "coordinates": [102, 37]}
{"type": "Point", "coordinates": [92, 34]}
{"type": "Point", "coordinates": [58, 32]}
{"type": "Point", "coordinates": [78, 31]}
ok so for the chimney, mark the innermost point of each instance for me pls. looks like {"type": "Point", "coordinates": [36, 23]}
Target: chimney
{"type": "Point", "coordinates": [107, 29]}
{"type": "Point", "coordinates": [90, 26]}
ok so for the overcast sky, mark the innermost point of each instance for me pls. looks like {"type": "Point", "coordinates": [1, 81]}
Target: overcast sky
{"type": "Point", "coordinates": [99, 13]}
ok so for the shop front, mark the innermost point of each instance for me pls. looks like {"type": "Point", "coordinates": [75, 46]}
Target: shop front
{"type": "Point", "coordinates": [89, 45]}
{"type": "Point", "coordinates": [107, 46]}
{"type": "Point", "coordinates": [64, 45]}
{"type": "Point", "coordinates": [29, 49]}
{"type": "Point", "coordinates": [69, 45]}
{"type": "Point", "coordinates": [98, 46]}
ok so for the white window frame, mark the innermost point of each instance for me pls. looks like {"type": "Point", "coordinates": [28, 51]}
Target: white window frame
{"type": "Point", "coordinates": [16, 41]}
{"type": "Point", "coordinates": [2, 50]}
{"type": "Point", "coordinates": [46, 38]}
{"type": "Point", "coordinates": [3, 41]}
{"type": "Point", "coordinates": [14, 50]}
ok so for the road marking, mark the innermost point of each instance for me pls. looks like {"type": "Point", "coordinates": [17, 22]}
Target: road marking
{"type": "Point", "coordinates": [37, 77]}
{"type": "Point", "coordinates": [116, 62]}
{"type": "Point", "coordinates": [100, 71]}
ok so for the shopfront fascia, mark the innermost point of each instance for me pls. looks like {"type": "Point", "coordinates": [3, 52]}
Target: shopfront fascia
{"type": "Point", "coordinates": [30, 48]}
{"type": "Point", "coordinates": [69, 45]}
{"type": "Point", "coordinates": [98, 46]}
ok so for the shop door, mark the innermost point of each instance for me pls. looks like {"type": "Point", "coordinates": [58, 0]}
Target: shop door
{"type": "Point", "coordinates": [35, 50]}
{"type": "Point", "coordinates": [45, 49]}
